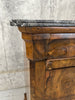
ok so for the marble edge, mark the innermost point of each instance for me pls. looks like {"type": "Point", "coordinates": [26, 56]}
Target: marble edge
{"type": "Point", "coordinates": [43, 23]}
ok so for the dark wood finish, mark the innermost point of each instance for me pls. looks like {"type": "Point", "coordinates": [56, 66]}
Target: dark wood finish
{"type": "Point", "coordinates": [51, 52]}
{"type": "Point", "coordinates": [25, 96]}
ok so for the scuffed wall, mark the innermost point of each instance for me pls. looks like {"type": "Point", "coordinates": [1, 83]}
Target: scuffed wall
{"type": "Point", "coordinates": [12, 67]}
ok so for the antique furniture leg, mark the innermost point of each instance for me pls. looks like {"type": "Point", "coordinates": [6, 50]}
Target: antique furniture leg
{"type": "Point", "coordinates": [25, 96]}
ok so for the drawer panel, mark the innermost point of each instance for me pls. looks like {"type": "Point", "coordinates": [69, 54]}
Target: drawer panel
{"type": "Point", "coordinates": [61, 48]}
{"type": "Point", "coordinates": [60, 63]}
{"type": "Point", "coordinates": [60, 84]}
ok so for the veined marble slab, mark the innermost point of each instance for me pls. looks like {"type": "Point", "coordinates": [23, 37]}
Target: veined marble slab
{"type": "Point", "coordinates": [43, 23]}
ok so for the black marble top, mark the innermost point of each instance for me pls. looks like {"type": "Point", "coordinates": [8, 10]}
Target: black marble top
{"type": "Point", "coordinates": [43, 23]}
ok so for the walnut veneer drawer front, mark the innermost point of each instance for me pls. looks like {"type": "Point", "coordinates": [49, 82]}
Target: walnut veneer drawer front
{"type": "Point", "coordinates": [60, 63]}
{"type": "Point", "coordinates": [61, 45]}
{"type": "Point", "coordinates": [50, 48]}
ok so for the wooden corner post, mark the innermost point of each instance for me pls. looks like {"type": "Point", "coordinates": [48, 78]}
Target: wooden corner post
{"type": "Point", "coordinates": [37, 55]}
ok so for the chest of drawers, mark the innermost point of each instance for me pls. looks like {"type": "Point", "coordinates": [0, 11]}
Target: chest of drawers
{"type": "Point", "coordinates": [50, 48]}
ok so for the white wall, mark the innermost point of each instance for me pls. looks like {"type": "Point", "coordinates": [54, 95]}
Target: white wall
{"type": "Point", "coordinates": [14, 76]}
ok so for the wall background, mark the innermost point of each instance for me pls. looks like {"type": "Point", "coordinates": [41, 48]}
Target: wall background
{"type": "Point", "coordinates": [14, 73]}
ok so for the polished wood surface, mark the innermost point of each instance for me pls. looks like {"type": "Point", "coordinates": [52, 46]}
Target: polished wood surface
{"type": "Point", "coordinates": [38, 30]}
{"type": "Point", "coordinates": [60, 63]}
{"type": "Point", "coordinates": [51, 52]}
{"type": "Point", "coordinates": [60, 84]}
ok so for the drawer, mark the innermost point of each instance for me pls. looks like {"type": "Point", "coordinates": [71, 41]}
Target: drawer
{"type": "Point", "coordinates": [61, 48]}
{"type": "Point", "coordinates": [60, 63]}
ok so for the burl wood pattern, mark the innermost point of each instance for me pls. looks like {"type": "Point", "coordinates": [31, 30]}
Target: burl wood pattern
{"type": "Point", "coordinates": [60, 84]}
{"type": "Point", "coordinates": [51, 51]}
